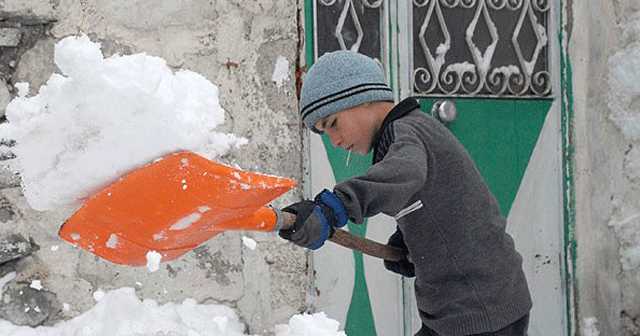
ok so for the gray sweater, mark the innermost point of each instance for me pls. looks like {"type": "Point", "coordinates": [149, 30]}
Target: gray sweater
{"type": "Point", "coordinates": [469, 277]}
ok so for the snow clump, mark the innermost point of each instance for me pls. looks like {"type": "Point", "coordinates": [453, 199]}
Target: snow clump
{"type": "Point", "coordinates": [102, 117]}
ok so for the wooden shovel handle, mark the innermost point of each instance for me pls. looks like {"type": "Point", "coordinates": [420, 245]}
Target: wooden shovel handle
{"type": "Point", "coordinates": [351, 241]}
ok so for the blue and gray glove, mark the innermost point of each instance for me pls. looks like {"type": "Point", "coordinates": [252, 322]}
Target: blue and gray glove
{"type": "Point", "coordinates": [331, 204]}
{"type": "Point", "coordinates": [403, 267]}
{"type": "Point", "coordinates": [311, 227]}
{"type": "Point", "coordinates": [315, 221]}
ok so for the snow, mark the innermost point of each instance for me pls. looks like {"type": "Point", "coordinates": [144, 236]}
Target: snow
{"type": "Point", "coordinates": [36, 284]}
{"type": "Point", "coordinates": [98, 295]}
{"type": "Point", "coordinates": [441, 53]}
{"type": "Point", "coordinates": [153, 261]}
{"type": "Point", "coordinates": [249, 243]}
{"type": "Point", "coordinates": [628, 231]}
{"type": "Point", "coordinates": [483, 60]}
{"type": "Point", "coordinates": [121, 313]}
{"type": "Point", "coordinates": [112, 242]}
{"type": "Point", "coordinates": [307, 325]}
{"type": "Point", "coordinates": [186, 222]}
{"type": "Point", "coordinates": [23, 89]}
{"type": "Point", "coordinates": [624, 82]}
{"type": "Point", "coordinates": [280, 71]}
{"type": "Point", "coordinates": [507, 71]}
{"type": "Point", "coordinates": [102, 117]}
{"type": "Point", "coordinates": [461, 68]}
{"type": "Point", "coordinates": [590, 327]}
{"type": "Point", "coordinates": [96, 120]}
{"type": "Point", "coordinates": [624, 104]}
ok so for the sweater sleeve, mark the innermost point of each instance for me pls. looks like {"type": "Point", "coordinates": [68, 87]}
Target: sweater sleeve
{"type": "Point", "coordinates": [388, 185]}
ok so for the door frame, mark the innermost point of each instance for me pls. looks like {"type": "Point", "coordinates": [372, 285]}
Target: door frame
{"type": "Point", "coordinates": [562, 87]}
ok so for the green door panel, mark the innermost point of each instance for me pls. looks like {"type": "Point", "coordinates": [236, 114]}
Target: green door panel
{"type": "Point", "coordinates": [500, 136]}
{"type": "Point", "coordinates": [359, 316]}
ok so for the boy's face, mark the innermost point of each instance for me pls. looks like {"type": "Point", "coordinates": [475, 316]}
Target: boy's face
{"type": "Point", "coordinates": [352, 129]}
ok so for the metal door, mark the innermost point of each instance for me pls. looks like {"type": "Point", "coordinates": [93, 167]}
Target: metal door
{"type": "Point", "coordinates": [493, 60]}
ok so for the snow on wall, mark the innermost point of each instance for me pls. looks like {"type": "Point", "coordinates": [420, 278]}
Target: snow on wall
{"type": "Point", "coordinates": [102, 118]}
{"type": "Point", "coordinates": [623, 102]}
{"type": "Point", "coordinates": [624, 75]}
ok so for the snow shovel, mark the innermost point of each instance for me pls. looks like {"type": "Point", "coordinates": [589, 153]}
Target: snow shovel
{"type": "Point", "coordinates": [174, 204]}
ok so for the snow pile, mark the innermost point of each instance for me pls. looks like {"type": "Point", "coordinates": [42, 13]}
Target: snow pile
{"type": "Point", "coordinates": [121, 313]}
{"type": "Point", "coordinates": [310, 325]}
{"type": "Point", "coordinates": [103, 117]}
{"type": "Point", "coordinates": [624, 82]}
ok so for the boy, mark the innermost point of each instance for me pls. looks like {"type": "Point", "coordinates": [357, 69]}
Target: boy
{"type": "Point", "coordinates": [469, 278]}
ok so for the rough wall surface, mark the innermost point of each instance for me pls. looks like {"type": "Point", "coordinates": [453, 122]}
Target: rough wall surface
{"type": "Point", "coordinates": [607, 184]}
{"type": "Point", "coordinates": [235, 45]}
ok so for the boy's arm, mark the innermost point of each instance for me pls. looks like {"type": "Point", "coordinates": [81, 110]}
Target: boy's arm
{"type": "Point", "coordinates": [388, 185]}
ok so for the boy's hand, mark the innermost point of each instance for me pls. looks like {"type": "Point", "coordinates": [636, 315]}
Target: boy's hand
{"type": "Point", "coordinates": [333, 208]}
{"type": "Point", "coordinates": [311, 227]}
{"type": "Point", "coordinates": [403, 267]}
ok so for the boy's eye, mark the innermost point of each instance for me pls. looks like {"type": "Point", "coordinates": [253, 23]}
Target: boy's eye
{"type": "Point", "coordinates": [333, 123]}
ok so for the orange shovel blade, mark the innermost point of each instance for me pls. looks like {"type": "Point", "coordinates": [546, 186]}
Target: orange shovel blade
{"type": "Point", "coordinates": [171, 206]}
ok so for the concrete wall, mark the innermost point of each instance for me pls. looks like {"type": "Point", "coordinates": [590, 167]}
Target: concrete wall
{"type": "Point", "coordinates": [606, 171]}
{"type": "Point", "coordinates": [234, 44]}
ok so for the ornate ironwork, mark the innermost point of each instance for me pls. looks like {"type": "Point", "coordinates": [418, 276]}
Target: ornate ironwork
{"type": "Point", "coordinates": [460, 47]}
{"type": "Point", "coordinates": [356, 25]}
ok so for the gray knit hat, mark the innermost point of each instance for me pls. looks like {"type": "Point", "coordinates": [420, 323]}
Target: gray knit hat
{"type": "Point", "coordinates": [338, 81]}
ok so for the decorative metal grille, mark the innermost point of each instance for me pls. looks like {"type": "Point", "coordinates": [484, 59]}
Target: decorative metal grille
{"type": "Point", "coordinates": [496, 48]}
{"type": "Point", "coordinates": [356, 25]}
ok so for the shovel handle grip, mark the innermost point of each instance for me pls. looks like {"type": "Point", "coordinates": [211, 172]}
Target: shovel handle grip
{"type": "Point", "coordinates": [351, 241]}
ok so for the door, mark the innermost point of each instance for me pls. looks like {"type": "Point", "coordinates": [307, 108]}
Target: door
{"type": "Point", "coordinates": [493, 62]}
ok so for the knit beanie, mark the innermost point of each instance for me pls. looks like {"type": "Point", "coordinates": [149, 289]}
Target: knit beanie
{"type": "Point", "coordinates": [338, 81]}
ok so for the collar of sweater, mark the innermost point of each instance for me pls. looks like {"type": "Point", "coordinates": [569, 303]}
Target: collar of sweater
{"type": "Point", "coordinates": [398, 111]}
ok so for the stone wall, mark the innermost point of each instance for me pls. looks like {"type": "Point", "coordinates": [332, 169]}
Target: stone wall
{"type": "Point", "coordinates": [235, 45]}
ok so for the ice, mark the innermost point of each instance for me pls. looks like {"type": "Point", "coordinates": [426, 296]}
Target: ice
{"type": "Point", "coordinates": [102, 117]}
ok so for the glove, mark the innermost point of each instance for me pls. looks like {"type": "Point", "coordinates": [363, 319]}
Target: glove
{"type": "Point", "coordinates": [332, 207]}
{"type": "Point", "coordinates": [403, 267]}
{"type": "Point", "coordinates": [311, 227]}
